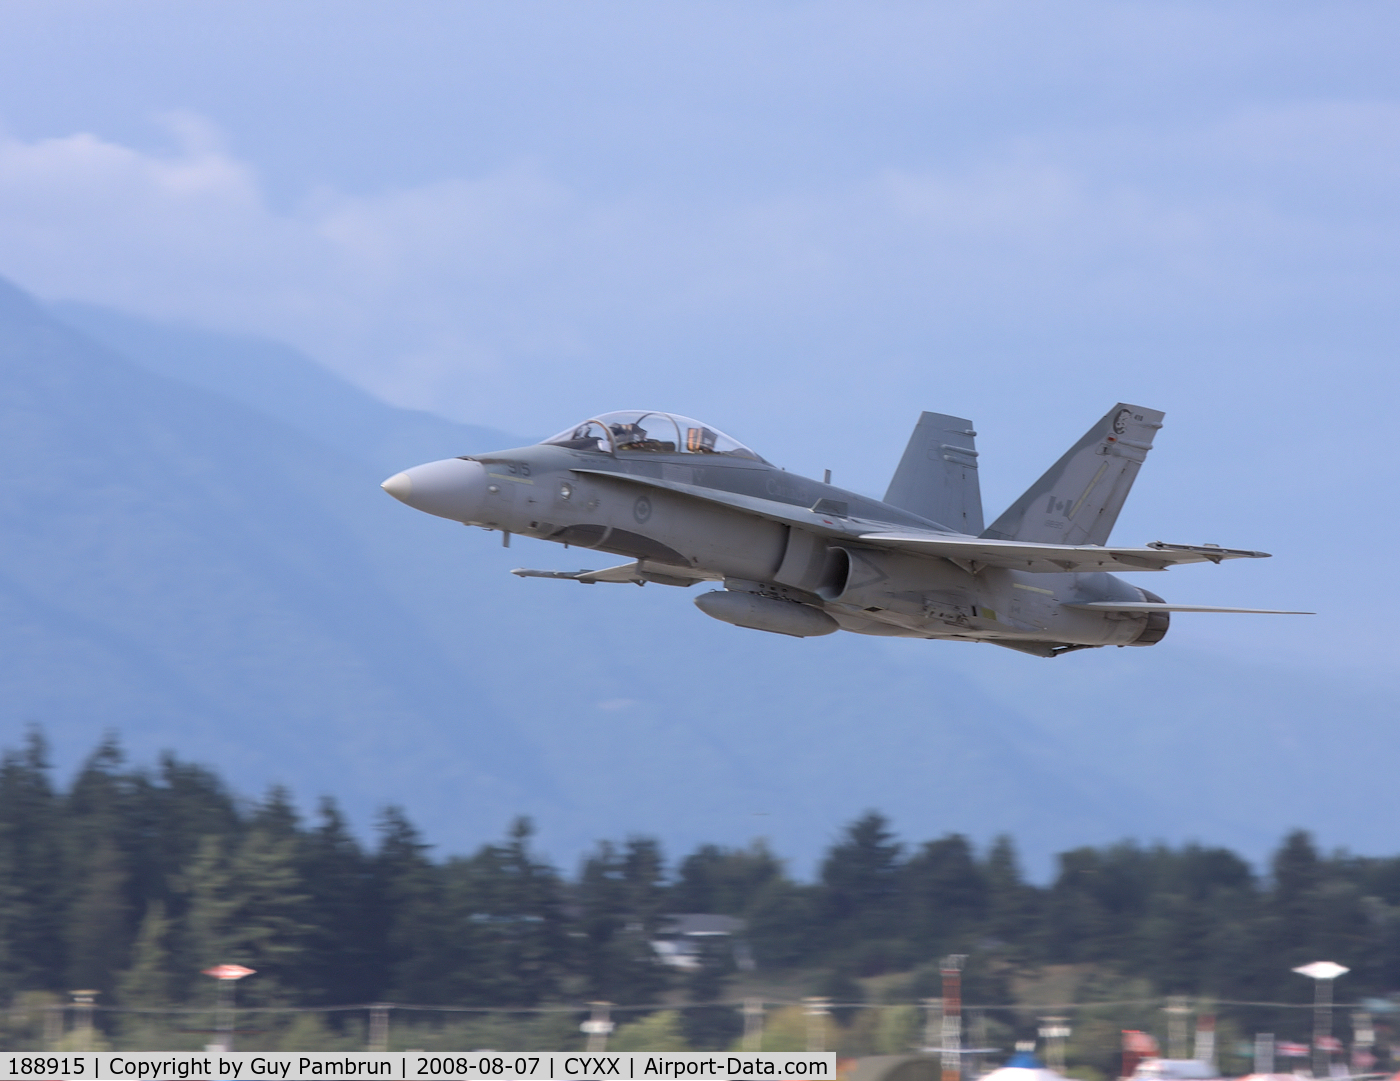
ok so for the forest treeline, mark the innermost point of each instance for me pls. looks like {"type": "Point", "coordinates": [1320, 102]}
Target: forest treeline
{"type": "Point", "coordinates": [132, 880]}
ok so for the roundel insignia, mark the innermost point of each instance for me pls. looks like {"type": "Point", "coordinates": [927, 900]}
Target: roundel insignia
{"type": "Point", "coordinates": [1120, 422]}
{"type": "Point", "coordinates": [641, 510]}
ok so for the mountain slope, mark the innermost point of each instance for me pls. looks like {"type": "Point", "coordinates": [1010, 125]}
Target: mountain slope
{"type": "Point", "coordinates": [178, 567]}
{"type": "Point", "coordinates": [205, 563]}
{"type": "Point", "coordinates": [282, 383]}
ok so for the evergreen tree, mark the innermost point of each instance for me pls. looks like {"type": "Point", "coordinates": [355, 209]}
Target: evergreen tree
{"type": "Point", "coordinates": [96, 824]}
{"type": "Point", "coordinates": [858, 898]}
{"type": "Point", "coordinates": [98, 926]}
{"type": "Point", "coordinates": [276, 816]}
{"type": "Point", "coordinates": [620, 897]}
{"type": "Point", "coordinates": [784, 925]}
{"type": "Point", "coordinates": [407, 900]}
{"type": "Point", "coordinates": [710, 1027]}
{"type": "Point", "coordinates": [341, 963]}
{"type": "Point", "coordinates": [721, 880]}
{"type": "Point", "coordinates": [149, 982]}
{"type": "Point", "coordinates": [1095, 901]}
{"type": "Point", "coordinates": [31, 872]}
{"type": "Point", "coordinates": [1293, 902]}
{"type": "Point", "coordinates": [247, 907]}
{"type": "Point", "coordinates": [944, 893]}
{"type": "Point", "coordinates": [505, 911]}
{"type": "Point", "coordinates": [1190, 919]}
{"type": "Point", "coordinates": [1013, 914]}
{"type": "Point", "coordinates": [173, 813]}
{"type": "Point", "coordinates": [324, 922]}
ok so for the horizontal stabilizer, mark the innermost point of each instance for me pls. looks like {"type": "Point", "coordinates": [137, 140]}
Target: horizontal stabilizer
{"type": "Point", "coordinates": [1149, 606]}
{"type": "Point", "coordinates": [974, 553]}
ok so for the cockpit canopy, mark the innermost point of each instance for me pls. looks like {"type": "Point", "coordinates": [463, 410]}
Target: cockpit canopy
{"type": "Point", "coordinates": [649, 432]}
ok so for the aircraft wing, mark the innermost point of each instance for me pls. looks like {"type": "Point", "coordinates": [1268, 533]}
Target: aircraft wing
{"type": "Point", "coordinates": [817, 521]}
{"type": "Point", "coordinates": [974, 553]}
{"type": "Point", "coordinates": [1149, 606]}
{"type": "Point", "coordinates": [971, 553]}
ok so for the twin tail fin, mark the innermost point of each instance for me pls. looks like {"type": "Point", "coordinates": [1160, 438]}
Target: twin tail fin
{"type": "Point", "coordinates": [937, 477]}
{"type": "Point", "coordinates": [1078, 498]}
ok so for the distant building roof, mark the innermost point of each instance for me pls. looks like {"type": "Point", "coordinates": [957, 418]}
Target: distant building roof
{"type": "Point", "coordinates": [699, 925]}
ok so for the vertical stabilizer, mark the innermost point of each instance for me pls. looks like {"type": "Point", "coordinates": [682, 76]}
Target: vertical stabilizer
{"type": "Point", "coordinates": [937, 477]}
{"type": "Point", "coordinates": [1079, 497]}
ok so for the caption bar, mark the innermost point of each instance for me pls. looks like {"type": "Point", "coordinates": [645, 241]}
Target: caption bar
{"type": "Point", "coordinates": [406, 1065]}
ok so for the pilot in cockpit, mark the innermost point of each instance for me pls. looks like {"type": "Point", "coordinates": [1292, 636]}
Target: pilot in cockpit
{"type": "Point", "coordinates": [649, 432]}
{"type": "Point", "coordinates": [633, 436]}
{"type": "Point", "coordinates": [700, 440]}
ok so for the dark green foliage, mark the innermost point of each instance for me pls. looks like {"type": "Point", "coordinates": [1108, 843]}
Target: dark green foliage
{"type": "Point", "coordinates": [32, 872]}
{"type": "Point", "coordinates": [621, 897]}
{"type": "Point", "coordinates": [843, 991]}
{"type": "Point", "coordinates": [710, 1028]}
{"type": "Point", "coordinates": [344, 943]}
{"type": "Point", "coordinates": [784, 927]}
{"type": "Point", "coordinates": [410, 925]}
{"type": "Point", "coordinates": [1012, 905]}
{"type": "Point", "coordinates": [131, 881]}
{"type": "Point", "coordinates": [149, 983]}
{"type": "Point", "coordinates": [944, 893]}
{"type": "Point", "coordinates": [725, 880]}
{"type": "Point", "coordinates": [505, 925]}
{"type": "Point", "coordinates": [860, 883]}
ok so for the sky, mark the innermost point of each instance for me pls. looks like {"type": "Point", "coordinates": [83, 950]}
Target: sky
{"type": "Point", "coordinates": [801, 221]}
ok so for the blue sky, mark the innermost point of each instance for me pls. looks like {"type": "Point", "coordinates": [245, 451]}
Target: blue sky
{"type": "Point", "coordinates": [802, 221]}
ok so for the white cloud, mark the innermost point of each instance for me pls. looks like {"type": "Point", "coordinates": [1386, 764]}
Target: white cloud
{"type": "Point", "coordinates": [460, 294]}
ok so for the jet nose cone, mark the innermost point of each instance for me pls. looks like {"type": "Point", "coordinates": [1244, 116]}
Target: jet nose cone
{"type": "Point", "coordinates": [400, 486]}
{"type": "Point", "coordinates": [452, 488]}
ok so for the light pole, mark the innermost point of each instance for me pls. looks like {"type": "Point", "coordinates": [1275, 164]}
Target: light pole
{"type": "Point", "coordinates": [952, 1016]}
{"type": "Point", "coordinates": [53, 1026]}
{"type": "Point", "coordinates": [816, 1010]}
{"type": "Point", "coordinates": [1177, 1009]}
{"type": "Point", "coordinates": [977, 1033]}
{"type": "Point", "coordinates": [598, 1027]}
{"type": "Point", "coordinates": [1205, 1039]}
{"type": "Point", "coordinates": [753, 1024]}
{"type": "Point", "coordinates": [82, 1001]}
{"type": "Point", "coordinates": [1055, 1031]}
{"type": "Point", "coordinates": [1322, 973]}
{"type": "Point", "coordinates": [1363, 1038]}
{"type": "Point", "coordinates": [379, 1026]}
{"type": "Point", "coordinates": [227, 975]}
{"type": "Point", "coordinates": [933, 1021]}
{"type": "Point", "coordinates": [1263, 1052]}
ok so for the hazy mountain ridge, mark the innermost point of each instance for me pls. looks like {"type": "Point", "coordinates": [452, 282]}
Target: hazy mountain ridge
{"type": "Point", "coordinates": [194, 571]}
{"type": "Point", "coordinates": [623, 720]}
{"type": "Point", "coordinates": [281, 382]}
{"type": "Point", "coordinates": [186, 560]}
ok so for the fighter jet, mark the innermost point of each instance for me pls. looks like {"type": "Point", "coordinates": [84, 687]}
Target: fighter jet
{"type": "Point", "coordinates": [686, 504]}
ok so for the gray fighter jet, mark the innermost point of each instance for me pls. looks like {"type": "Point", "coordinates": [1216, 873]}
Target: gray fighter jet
{"type": "Point", "coordinates": [685, 504]}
